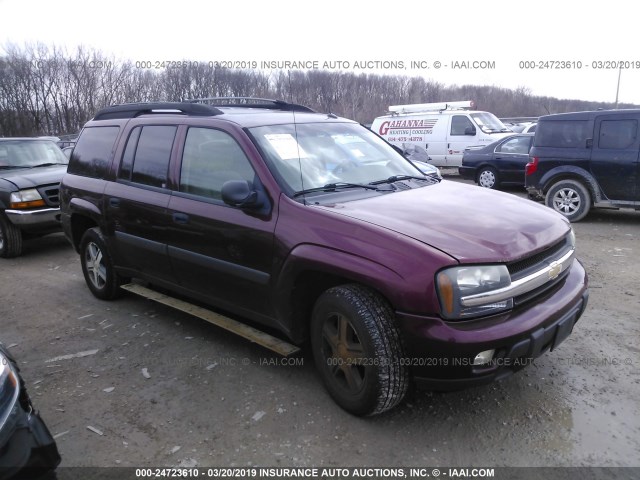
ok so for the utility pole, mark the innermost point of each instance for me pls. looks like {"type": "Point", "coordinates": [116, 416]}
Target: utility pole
{"type": "Point", "coordinates": [618, 88]}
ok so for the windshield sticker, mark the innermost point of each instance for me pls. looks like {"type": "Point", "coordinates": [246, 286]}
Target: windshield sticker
{"type": "Point", "coordinates": [286, 146]}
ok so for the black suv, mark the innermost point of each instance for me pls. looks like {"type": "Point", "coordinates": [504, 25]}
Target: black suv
{"type": "Point", "coordinates": [314, 226]}
{"type": "Point", "coordinates": [30, 174]}
{"type": "Point", "coordinates": [584, 159]}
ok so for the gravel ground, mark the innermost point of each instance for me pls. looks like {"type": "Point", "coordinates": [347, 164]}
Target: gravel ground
{"type": "Point", "coordinates": [165, 389]}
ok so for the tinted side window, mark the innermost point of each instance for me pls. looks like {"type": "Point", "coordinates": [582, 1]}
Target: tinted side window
{"type": "Point", "coordinates": [210, 158]}
{"type": "Point", "coordinates": [516, 145]}
{"type": "Point", "coordinates": [562, 134]}
{"type": "Point", "coordinates": [617, 134]}
{"type": "Point", "coordinates": [151, 161]}
{"type": "Point", "coordinates": [459, 124]}
{"type": "Point", "coordinates": [92, 154]}
{"type": "Point", "coordinates": [129, 153]}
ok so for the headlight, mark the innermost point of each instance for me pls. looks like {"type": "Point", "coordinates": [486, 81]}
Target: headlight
{"type": "Point", "coordinates": [454, 283]}
{"type": "Point", "coordinates": [9, 389]}
{"type": "Point", "coordinates": [29, 198]}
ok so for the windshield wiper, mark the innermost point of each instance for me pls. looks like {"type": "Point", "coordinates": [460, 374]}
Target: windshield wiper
{"type": "Point", "coordinates": [397, 178]}
{"type": "Point", "coordinates": [9, 167]}
{"type": "Point", "coordinates": [47, 164]}
{"type": "Point", "coordinates": [333, 187]}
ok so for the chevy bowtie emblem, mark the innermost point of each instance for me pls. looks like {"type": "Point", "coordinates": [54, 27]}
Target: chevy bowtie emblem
{"type": "Point", "coordinates": [554, 270]}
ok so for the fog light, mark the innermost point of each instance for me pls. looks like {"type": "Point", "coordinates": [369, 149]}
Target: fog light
{"type": "Point", "coordinates": [484, 357]}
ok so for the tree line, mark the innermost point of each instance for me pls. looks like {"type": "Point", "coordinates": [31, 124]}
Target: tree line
{"type": "Point", "coordinates": [46, 90]}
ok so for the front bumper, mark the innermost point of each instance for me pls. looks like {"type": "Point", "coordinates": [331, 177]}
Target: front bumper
{"type": "Point", "coordinates": [30, 451]}
{"type": "Point", "coordinates": [44, 219]}
{"type": "Point", "coordinates": [27, 449]}
{"type": "Point", "coordinates": [441, 354]}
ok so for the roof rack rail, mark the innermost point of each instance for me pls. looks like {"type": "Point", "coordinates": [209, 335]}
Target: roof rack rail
{"type": "Point", "coordinates": [251, 102]}
{"type": "Point", "coordinates": [132, 110]}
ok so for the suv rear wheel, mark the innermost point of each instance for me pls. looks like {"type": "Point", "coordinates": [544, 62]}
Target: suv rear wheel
{"type": "Point", "coordinates": [97, 267]}
{"type": "Point", "coordinates": [358, 351]}
{"type": "Point", "coordinates": [570, 198]}
{"type": "Point", "coordinates": [10, 238]}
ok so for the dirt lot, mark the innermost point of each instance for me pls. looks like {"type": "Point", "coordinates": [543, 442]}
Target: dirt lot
{"type": "Point", "coordinates": [214, 399]}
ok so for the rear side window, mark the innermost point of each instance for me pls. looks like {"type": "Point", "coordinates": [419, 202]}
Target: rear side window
{"type": "Point", "coordinates": [146, 156]}
{"type": "Point", "coordinates": [617, 134]}
{"type": "Point", "coordinates": [562, 134]}
{"type": "Point", "coordinates": [516, 145]}
{"type": "Point", "coordinates": [92, 154]}
{"type": "Point", "coordinates": [212, 157]}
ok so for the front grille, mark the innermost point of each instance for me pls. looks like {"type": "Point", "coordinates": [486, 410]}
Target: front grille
{"type": "Point", "coordinates": [528, 265]}
{"type": "Point", "coordinates": [51, 194]}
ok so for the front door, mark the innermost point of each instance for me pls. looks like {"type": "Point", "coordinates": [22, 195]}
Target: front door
{"type": "Point", "coordinates": [220, 252]}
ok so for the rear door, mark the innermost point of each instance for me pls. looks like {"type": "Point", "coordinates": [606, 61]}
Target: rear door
{"type": "Point", "coordinates": [220, 252]}
{"type": "Point", "coordinates": [136, 203]}
{"type": "Point", "coordinates": [511, 157]}
{"type": "Point", "coordinates": [614, 157]}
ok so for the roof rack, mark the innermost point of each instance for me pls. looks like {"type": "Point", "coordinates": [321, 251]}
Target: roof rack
{"type": "Point", "coordinates": [132, 110]}
{"type": "Point", "coordinates": [251, 102]}
{"type": "Point", "coordinates": [431, 107]}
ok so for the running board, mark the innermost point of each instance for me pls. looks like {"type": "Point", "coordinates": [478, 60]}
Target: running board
{"type": "Point", "coordinates": [256, 336]}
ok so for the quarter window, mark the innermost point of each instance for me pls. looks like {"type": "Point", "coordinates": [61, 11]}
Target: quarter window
{"type": "Point", "coordinates": [562, 134]}
{"type": "Point", "coordinates": [212, 157]}
{"type": "Point", "coordinates": [92, 154]}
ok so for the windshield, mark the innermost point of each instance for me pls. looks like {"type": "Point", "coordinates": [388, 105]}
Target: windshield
{"type": "Point", "coordinates": [489, 123]}
{"type": "Point", "coordinates": [311, 155]}
{"type": "Point", "coordinates": [30, 153]}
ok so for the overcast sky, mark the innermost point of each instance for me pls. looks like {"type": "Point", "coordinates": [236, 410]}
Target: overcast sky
{"type": "Point", "coordinates": [585, 36]}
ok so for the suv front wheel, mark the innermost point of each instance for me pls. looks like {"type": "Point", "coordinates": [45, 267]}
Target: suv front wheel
{"type": "Point", "coordinates": [570, 198]}
{"type": "Point", "coordinates": [358, 351]}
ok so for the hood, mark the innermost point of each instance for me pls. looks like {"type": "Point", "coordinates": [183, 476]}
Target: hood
{"type": "Point", "coordinates": [34, 177]}
{"type": "Point", "coordinates": [472, 224]}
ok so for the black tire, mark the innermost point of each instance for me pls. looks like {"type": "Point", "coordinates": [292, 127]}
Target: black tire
{"type": "Point", "coordinates": [10, 238]}
{"type": "Point", "coordinates": [97, 266]}
{"type": "Point", "coordinates": [358, 351]}
{"type": "Point", "coordinates": [488, 177]}
{"type": "Point", "coordinates": [570, 198]}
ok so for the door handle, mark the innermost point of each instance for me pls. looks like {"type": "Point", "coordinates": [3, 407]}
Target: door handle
{"type": "Point", "coordinates": [181, 218]}
{"type": "Point", "coordinates": [114, 202]}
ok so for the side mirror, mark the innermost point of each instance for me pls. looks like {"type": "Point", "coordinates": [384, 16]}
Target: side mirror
{"type": "Point", "coordinates": [470, 131]}
{"type": "Point", "coordinates": [238, 194]}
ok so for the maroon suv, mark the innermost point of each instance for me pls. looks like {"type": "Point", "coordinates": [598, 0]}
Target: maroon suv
{"type": "Point", "coordinates": [313, 225]}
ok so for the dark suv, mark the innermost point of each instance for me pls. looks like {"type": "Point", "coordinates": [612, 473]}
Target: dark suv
{"type": "Point", "coordinates": [312, 225]}
{"type": "Point", "coordinates": [584, 159]}
{"type": "Point", "coordinates": [30, 174]}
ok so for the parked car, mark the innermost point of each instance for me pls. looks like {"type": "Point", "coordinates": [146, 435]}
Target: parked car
{"type": "Point", "coordinates": [27, 449]}
{"type": "Point", "coordinates": [30, 174]}
{"type": "Point", "coordinates": [586, 159]}
{"type": "Point", "coordinates": [420, 158]}
{"type": "Point", "coordinates": [270, 212]}
{"type": "Point", "coordinates": [67, 151]}
{"type": "Point", "coordinates": [498, 164]}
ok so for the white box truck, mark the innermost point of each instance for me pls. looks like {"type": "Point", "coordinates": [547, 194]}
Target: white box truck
{"type": "Point", "coordinates": [443, 129]}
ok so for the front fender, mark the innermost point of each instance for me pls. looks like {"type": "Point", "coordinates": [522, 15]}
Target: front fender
{"type": "Point", "coordinates": [333, 267]}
